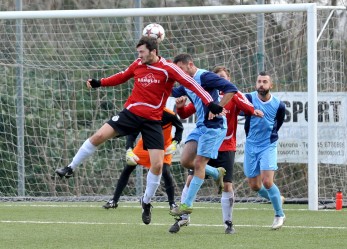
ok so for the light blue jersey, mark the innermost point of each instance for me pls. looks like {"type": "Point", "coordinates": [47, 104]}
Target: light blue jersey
{"type": "Point", "coordinates": [199, 105]}
{"type": "Point", "coordinates": [262, 132]}
{"type": "Point", "coordinates": [213, 84]}
{"type": "Point", "coordinates": [262, 135]}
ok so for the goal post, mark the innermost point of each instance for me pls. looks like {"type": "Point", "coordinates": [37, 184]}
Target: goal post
{"type": "Point", "coordinates": [62, 48]}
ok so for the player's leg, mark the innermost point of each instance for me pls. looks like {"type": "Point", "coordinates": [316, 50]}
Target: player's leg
{"type": "Point", "coordinates": [226, 160]}
{"type": "Point", "coordinates": [120, 125]}
{"type": "Point", "coordinates": [87, 149]}
{"type": "Point", "coordinates": [184, 219]}
{"type": "Point", "coordinates": [121, 184]}
{"type": "Point", "coordinates": [227, 203]}
{"type": "Point", "coordinates": [275, 198]}
{"type": "Point", "coordinates": [153, 140]}
{"type": "Point", "coordinates": [189, 153]}
{"type": "Point", "coordinates": [169, 185]}
{"type": "Point", "coordinates": [268, 166]}
{"type": "Point", "coordinates": [208, 145]}
{"type": "Point", "coordinates": [186, 185]}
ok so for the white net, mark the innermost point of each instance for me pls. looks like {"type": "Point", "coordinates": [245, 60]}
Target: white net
{"type": "Point", "coordinates": [60, 113]}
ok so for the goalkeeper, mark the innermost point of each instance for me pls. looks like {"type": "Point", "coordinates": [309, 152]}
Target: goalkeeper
{"type": "Point", "coordinates": [139, 156]}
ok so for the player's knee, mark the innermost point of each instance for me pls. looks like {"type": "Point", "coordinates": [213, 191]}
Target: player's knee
{"type": "Point", "coordinates": [267, 182]}
{"type": "Point", "coordinates": [254, 185]}
{"type": "Point", "coordinates": [186, 163]}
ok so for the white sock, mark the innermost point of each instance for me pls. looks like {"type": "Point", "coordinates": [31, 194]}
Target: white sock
{"type": "Point", "coordinates": [152, 185]}
{"type": "Point", "coordinates": [227, 202]}
{"type": "Point", "coordinates": [184, 193]}
{"type": "Point", "coordinates": [86, 150]}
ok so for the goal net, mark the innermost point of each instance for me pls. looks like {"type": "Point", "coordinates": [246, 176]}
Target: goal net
{"type": "Point", "coordinates": [45, 61]}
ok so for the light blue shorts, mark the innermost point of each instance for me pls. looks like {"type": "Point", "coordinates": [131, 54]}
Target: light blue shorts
{"type": "Point", "coordinates": [209, 140]}
{"type": "Point", "coordinates": [259, 158]}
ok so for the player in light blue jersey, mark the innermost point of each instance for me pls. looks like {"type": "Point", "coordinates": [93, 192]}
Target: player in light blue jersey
{"type": "Point", "coordinates": [260, 162]}
{"type": "Point", "coordinates": [204, 141]}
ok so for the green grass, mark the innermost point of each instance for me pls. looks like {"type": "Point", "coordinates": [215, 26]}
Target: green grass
{"type": "Point", "coordinates": [87, 225]}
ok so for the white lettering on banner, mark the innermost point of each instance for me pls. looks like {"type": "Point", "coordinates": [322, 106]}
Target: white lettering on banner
{"type": "Point", "coordinates": [293, 135]}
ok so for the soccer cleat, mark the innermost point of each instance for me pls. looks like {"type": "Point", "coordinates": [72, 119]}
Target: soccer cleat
{"type": "Point", "coordinates": [219, 181]}
{"type": "Point", "coordinates": [229, 228]}
{"type": "Point", "coordinates": [278, 222]}
{"type": "Point", "coordinates": [110, 204]}
{"type": "Point", "coordinates": [66, 171]}
{"type": "Point", "coordinates": [180, 210]}
{"type": "Point", "coordinates": [173, 205]}
{"type": "Point", "coordinates": [146, 212]}
{"type": "Point", "coordinates": [180, 222]}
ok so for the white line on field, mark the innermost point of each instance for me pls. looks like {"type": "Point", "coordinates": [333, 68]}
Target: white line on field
{"type": "Point", "coordinates": [152, 224]}
{"type": "Point", "coordinates": [137, 206]}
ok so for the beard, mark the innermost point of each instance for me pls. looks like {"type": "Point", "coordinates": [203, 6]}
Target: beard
{"type": "Point", "coordinates": [263, 92]}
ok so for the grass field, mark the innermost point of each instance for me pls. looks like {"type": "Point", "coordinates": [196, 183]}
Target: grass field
{"type": "Point", "coordinates": [87, 225]}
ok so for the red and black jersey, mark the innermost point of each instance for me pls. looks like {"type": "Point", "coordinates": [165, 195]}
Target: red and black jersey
{"type": "Point", "coordinates": [237, 104]}
{"type": "Point", "coordinates": [152, 86]}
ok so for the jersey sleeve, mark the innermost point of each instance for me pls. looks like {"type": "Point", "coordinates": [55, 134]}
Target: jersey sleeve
{"type": "Point", "coordinates": [120, 77]}
{"type": "Point", "coordinates": [169, 117]}
{"type": "Point", "coordinates": [249, 98]}
{"type": "Point", "coordinates": [186, 111]}
{"type": "Point", "coordinates": [243, 104]}
{"type": "Point", "coordinates": [178, 92]}
{"type": "Point", "coordinates": [185, 80]}
{"type": "Point", "coordinates": [210, 80]}
{"type": "Point", "coordinates": [179, 128]}
{"type": "Point", "coordinates": [281, 111]}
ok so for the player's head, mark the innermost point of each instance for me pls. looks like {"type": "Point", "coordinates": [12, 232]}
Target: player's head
{"type": "Point", "coordinates": [185, 62]}
{"type": "Point", "coordinates": [264, 84]}
{"type": "Point", "coordinates": [147, 49]}
{"type": "Point", "coordinates": [222, 72]}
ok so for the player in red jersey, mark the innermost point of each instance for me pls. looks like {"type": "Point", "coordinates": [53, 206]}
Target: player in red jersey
{"type": "Point", "coordinates": [226, 152]}
{"type": "Point", "coordinates": [154, 78]}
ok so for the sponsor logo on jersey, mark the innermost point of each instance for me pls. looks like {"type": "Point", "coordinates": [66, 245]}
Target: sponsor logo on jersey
{"type": "Point", "coordinates": [148, 79]}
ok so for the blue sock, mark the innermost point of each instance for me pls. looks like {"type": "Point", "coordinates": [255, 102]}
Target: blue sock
{"type": "Point", "coordinates": [194, 187]}
{"type": "Point", "coordinates": [275, 198]}
{"type": "Point", "coordinates": [211, 171]}
{"type": "Point", "coordinates": [263, 193]}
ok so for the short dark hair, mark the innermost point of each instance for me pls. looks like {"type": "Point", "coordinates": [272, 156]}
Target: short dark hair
{"type": "Point", "coordinates": [264, 73]}
{"type": "Point", "coordinates": [150, 42]}
{"type": "Point", "coordinates": [184, 58]}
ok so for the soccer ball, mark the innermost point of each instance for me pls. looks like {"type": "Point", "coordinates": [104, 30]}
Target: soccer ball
{"type": "Point", "coordinates": [154, 30]}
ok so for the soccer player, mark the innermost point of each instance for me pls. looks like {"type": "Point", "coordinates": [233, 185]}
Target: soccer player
{"type": "Point", "coordinates": [226, 153]}
{"type": "Point", "coordinates": [139, 156]}
{"type": "Point", "coordinates": [154, 78]}
{"type": "Point", "coordinates": [260, 159]}
{"type": "Point", "coordinates": [204, 141]}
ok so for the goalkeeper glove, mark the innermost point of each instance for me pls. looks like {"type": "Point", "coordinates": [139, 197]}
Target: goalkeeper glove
{"type": "Point", "coordinates": [171, 149]}
{"type": "Point", "coordinates": [214, 108]}
{"type": "Point", "coordinates": [95, 83]}
{"type": "Point", "coordinates": [130, 158]}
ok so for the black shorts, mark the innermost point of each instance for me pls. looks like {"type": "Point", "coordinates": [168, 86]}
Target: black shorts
{"type": "Point", "coordinates": [226, 160]}
{"type": "Point", "coordinates": [126, 123]}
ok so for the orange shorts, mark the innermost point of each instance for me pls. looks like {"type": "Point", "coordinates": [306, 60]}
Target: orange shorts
{"type": "Point", "coordinates": [144, 157]}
